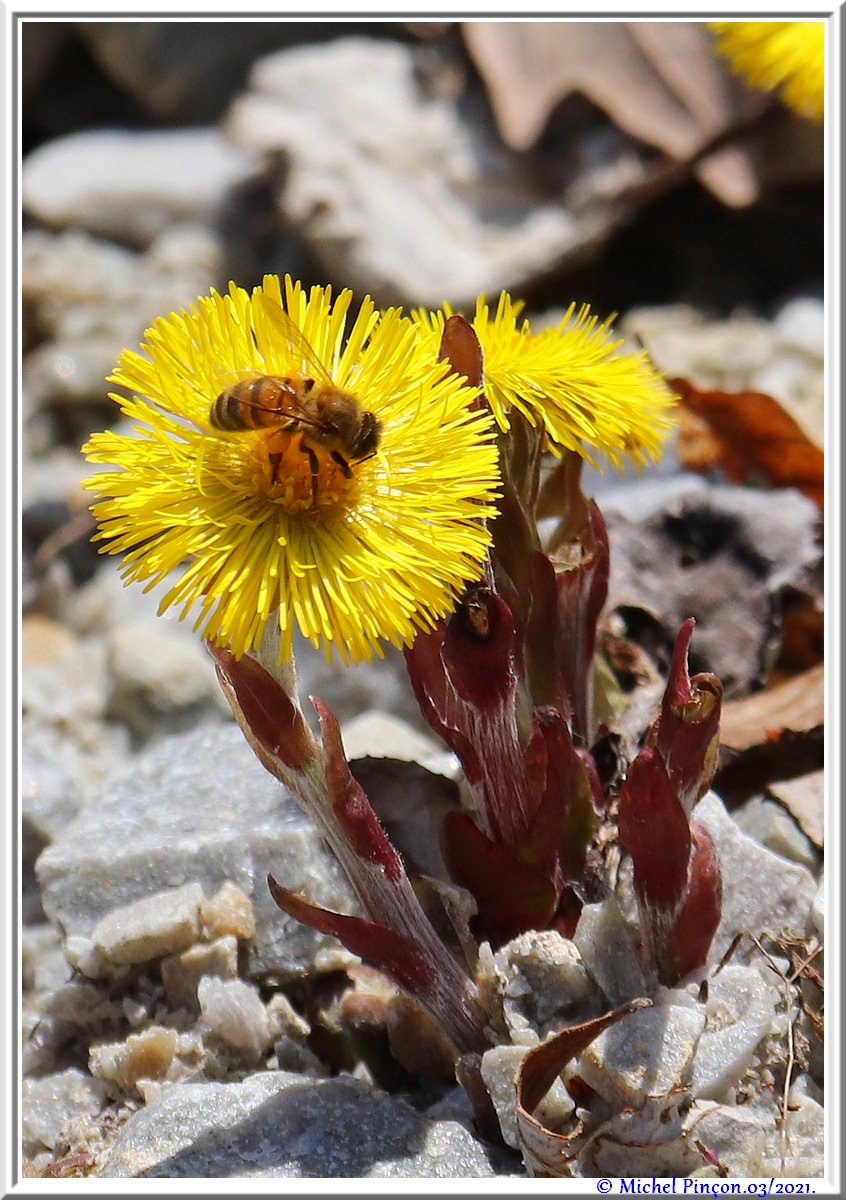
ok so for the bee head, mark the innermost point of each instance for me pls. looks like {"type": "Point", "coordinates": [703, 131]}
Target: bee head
{"type": "Point", "coordinates": [367, 438]}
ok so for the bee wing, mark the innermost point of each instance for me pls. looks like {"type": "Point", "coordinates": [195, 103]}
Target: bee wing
{"type": "Point", "coordinates": [296, 339]}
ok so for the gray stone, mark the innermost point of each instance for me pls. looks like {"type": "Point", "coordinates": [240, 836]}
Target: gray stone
{"type": "Point", "coordinates": [161, 681]}
{"type": "Point", "coordinates": [722, 555]}
{"type": "Point", "coordinates": [381, 684]}
{"type": "Point", "coordinates": [639, 499]}
{"type": "Point", "coordinates": [89, 750]}
{"type": "Point", "coordinates": [648, 1053]}
{"type": "Point", "coordinates": [279, 1125]}
{"type": "Point", "coordinates": [64, 689]}
{"type": "Point", "coordinates": [94, 299]}
{"type": "Point", "coordinates": [106, 604]}
{"type": "Point", "coordinates": [740, 1012]}
{"type": "Point", "coordinates": [43, 964]}
{"type": "Point", "coordinates": [646, 1141]}
{"type": "Point", "coordinates": [49, 1102]}
{"type": "Point", "coordinates": [378, 734]}
{"type": "Point", "coordinates": [54, 474]}
{"type": "Point", "coordinates": [800, 325]}
{"type": "Point", "coordinates": [49, 801]}
{"type": "Point", "coordinates": [545, 984]}
{"type": "Point", "coordinates": [131, 185]}
{"type": "Point", "coordinates": [182, 973]}
{"type": "Point", "coordinates": [65, 686]}
{"type": "Point", "coordinates": [608, 952]}
{"type": "Point", "coordinates": [762, 892]}
{"type": "Point", "coordinates": [737, 1134]}
{"type": "Point", "coordinates": [198, 807]}
{"type": "Point", "coordinates": [232, 1010]}
{"type": "Point", "coordinates": [769, 823]}
{"type": "Point", "coordinates": [386, 183]}
{"type": "Point", "coordinates": [499, 1070]}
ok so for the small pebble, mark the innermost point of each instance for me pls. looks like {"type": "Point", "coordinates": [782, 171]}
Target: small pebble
{"type": "Point", "coordinates": [232, 1010]}
{"type": "Point", "coordinates": [229, 911]}
{"type": "Point", "coordinates": [146, 1055]}
{"type": "Point", "coordinates": [150, 928]}
{"type": "Point", "coordinates": [181, 973]}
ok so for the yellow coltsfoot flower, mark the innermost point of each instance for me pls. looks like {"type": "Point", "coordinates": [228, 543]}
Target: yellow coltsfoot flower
{"type": "Point", "coordinates": [336, 485]}
{"type": "Point", "coordinates": [573, 379]}
{"type": "Point", "coordinates": [785, 56]}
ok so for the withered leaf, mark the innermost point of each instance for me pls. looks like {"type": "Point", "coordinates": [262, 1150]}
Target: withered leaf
{"type": "Point", "coordinates": [756, 436]}
{"type": "Point", "coordinates": [788, 755]}
{"type": "Point", "coordinates": [796, 704]}
{"type": "Point", "coordinates": [659, 82]}
{"type": "Point", "coordinates": [805, 798]}
{"type": "Point", "coordinates": [545, 1152]}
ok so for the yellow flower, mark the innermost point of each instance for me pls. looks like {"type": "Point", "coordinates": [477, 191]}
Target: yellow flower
{"type": "Point", "coordinates": [572, 378]}
{"type": "Point", "coordinates": [352, 547]}
{"type": "Point", "coordinates": [789, 55]}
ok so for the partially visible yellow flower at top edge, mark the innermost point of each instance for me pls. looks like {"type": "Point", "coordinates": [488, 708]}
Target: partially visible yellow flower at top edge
{"type": "Point", "coordinates": [773, 55]}
{"type": "Point", "coordinates": [354, 556]}
{"type": "Point", "coordinates": [572, 378]}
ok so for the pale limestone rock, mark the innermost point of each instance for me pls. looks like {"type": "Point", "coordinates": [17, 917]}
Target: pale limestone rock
{"type": "Point", "coordinates": [233, 1011]}
{"type": "Point", "coordinates": [198, 808]}
{"type": "Point", "coordinates": [150, 928]}
{"type": "Point", "coordinates": [499, 1070]}
{"type": "Point", "coordinates": [279, 1125]}
{"type": "Point", "coordinates": [130, 184]}
{"type": "Point", "coordinates": [740, 1013]}
{"type": "Point", "coordinates": [377, 734]}
{"type": "Point", "coordinates": [762, 892]}
{"type": "Point", "coordinates": [605, 942]}
{"type": "Point", "coordinates": [545, 984]}
{"type": "Point", "coordinates": [647, 1053]}
{"type": "Point", "coordinates": [51, 1100]}
{"type": "Point", "coordinates": [161, 681]}
{"type": "Point", "coordinates": [228, 911]}
{"type": "Point", "coordinates": [181, 973]}
{"type": "Point", "coordinates": [143, 1056]}
{"type": "Point", "coordinates": [385, 181]}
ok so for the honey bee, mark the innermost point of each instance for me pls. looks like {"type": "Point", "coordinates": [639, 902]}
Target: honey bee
{"type": "Point", "coordinates": [305, 402]}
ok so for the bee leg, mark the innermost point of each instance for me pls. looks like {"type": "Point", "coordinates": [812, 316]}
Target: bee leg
{"type": "Point", "coordinates": [314, 464]}
{"type": "Point", "coordinates": [275, 461]}
{"type": "Point", "coordinates": [342, 463]}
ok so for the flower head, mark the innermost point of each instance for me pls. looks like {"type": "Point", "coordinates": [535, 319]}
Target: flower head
{"type": "Point", "coordinates": [789, 55]}
{"type": "Point", "coordinates": [572, 378]}
{"type": "Point", "coordinates": [294, 516]}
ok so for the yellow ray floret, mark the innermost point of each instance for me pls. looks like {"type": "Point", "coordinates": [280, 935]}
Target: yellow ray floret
{"type": "Point", "coordinates": [573, 379]}
{"type": "Point", "coordinates": [784, 56]}
{"type": "Point", "coordinates": [271, 526]}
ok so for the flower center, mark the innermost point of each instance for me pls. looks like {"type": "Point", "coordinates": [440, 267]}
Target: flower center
{"type": "Point", "coordinates": [298, 473]}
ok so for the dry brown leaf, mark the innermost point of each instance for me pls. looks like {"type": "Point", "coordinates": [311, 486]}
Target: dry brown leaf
{"type": "Point", "coordinates": [756, 436]}
{"type": "Point", "coordinates": [796, 704]}
{"type": "Point", "coordinates": [660, 82]}
{"type": "Point", "coordinates": [698, 446]}
{"type": "Point", "coordinates": [746, 773]}
{"type": "Point", "coordinates": [802, 635]}
{"type": "Point", "coordinates": [545, 1152]}
{"type": "Point", "coordinates": [805, 798]}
